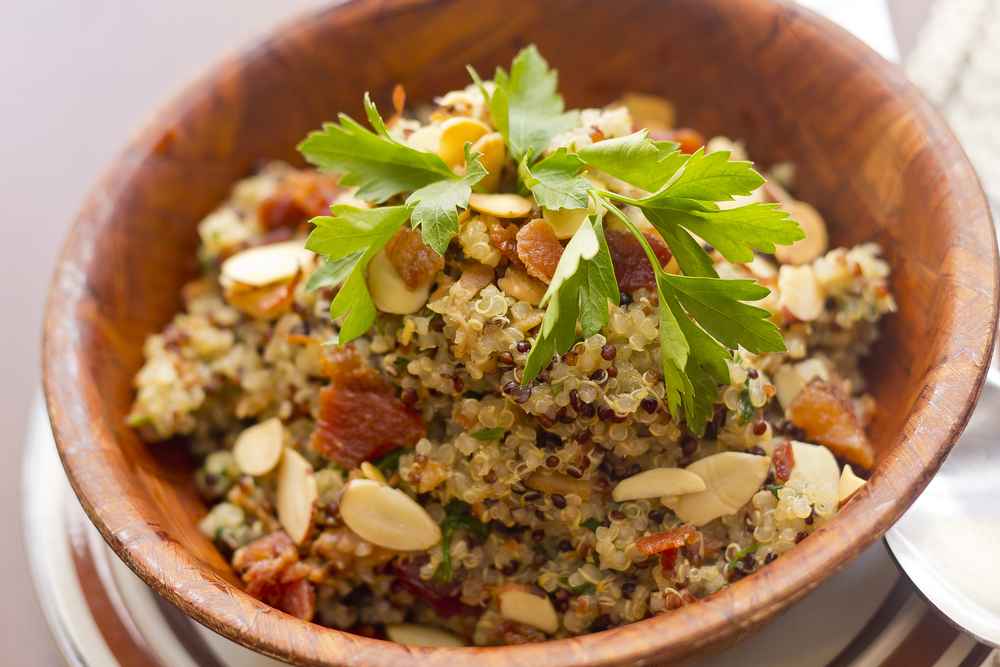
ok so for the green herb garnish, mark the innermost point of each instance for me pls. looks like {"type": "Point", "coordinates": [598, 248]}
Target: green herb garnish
{"type": "Point", "coordinates": [743, 553]}
{"type": "Point", "coordinates": [487, 434]}
{"type": "Point", "coordinates": [746, 406]}
{"type": "Point", "coordinates": [457, 516]}
{"type": "Point", "coordinates": [773, 488]}
{"type": "Point", "coordinates": [703, 319]}
{"type": "Point", "coordinates": [591, 523]}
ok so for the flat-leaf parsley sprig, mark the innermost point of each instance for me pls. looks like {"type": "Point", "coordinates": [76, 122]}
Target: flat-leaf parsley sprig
{"type": "Point", "coordinates": [703, 318]}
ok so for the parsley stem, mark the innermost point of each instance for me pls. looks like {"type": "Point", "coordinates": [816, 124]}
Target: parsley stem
{"type": "Point", "coordinates": [653, 259]}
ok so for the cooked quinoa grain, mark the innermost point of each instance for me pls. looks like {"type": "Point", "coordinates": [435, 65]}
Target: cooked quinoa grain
{"type": "Point", "coordinates": [426, 420]}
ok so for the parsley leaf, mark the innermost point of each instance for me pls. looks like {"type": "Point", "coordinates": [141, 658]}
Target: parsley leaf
{"type": "Point", "coordinates": [710, 177]}
{"type": "Point", "coordinates": [457, 516]}
{"type": "Point", "coordinates": [583, 282]}
{"type": "Point", "coordinates": [389, 463]}
{"type": "Point", "coordinates": [556, 182]}
{"type": "Point", "coordinates": [354, 235]}
{"type": "Point", "coordinates": [635, 159]}
{"type": "Point", "coordinates": [487, 434]}
{"type": "Point", "coordinates": [332, 272]}
{"type": "Point", "coordinates": [380, 166]}
{"type": "Point", "coordinates": [526, 106]}
{"type": "Point", "coordinates": [435, 206]}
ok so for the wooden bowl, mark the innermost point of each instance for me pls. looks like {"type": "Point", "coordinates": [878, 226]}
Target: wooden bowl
{"type": "Point", "coordinates": [871, 154]}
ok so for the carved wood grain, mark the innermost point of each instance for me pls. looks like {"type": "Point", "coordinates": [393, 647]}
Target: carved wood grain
{"type": "Point", "coordinates": [872, 155]}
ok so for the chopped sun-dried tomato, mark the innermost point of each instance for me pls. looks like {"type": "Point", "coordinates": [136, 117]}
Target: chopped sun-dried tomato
{"type": "Point", "coordinates": [270, 568]}
{"type": "Point", "coordinates": [827, 417]}
{"type": "Point", "coordinates": [299, 196]}
{"type": "Point", "coordinates": [360, 417]}
{"type": "Point", "coordinates": [503, 237]}
{"type": "Point", "coordinates": [675, 538]}
{"type": "Point", "coordinates": [415, 261]}
{"type": "Point", "coordinates": [443, 597]}
{"type": "Point", "coordinates": [539, 249]}
{"type": "Point", "coordinates": [632, 267]}
{"type": "Point", "coordinates": [688, 140]}
{"type": "Point", "coordinates": [783, 460]}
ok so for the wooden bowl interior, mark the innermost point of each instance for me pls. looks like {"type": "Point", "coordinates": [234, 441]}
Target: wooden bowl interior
{"type": "Point", "coordinates": [870, 155]}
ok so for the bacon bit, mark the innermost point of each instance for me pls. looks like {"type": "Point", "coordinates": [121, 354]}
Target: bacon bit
{"type": "Point", "coordinates": [674, 538]}
{"type": "Point", "coordinates": [784, 461]}
{"type": "Point", "coordinates": [270, 568]}
{"type": "Point", "coordinates": [825, 414]}
{"type": "Point", "coordinates": [444, 598]}
{"type": "Point", "coordinates": [360, 418]}
{"type": "Point", "coordinates": [415, 261]}
{"type": "Point", "coordinates": [503, 237]}
{"type": "Point", "coordinates": [264, 303]}
{"type": "Point", "coordinates": [539, 249]}
{"type": "Point", "coordinates": [688, 140]}
{"type": "Point", "coordinates": [474, 278]}
{"type": "Point", "coordinates": [299, 196]}
{"type": "Point", "coordinates": [631, 264]}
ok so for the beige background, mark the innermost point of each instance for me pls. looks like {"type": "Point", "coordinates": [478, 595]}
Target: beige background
{"type": "Point", "coordinates": [77, 77]}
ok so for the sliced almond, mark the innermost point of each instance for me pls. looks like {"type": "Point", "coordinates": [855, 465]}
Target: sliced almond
{"type": "Point", "coordinates": [731, 479]}
{"type": "Point", "coordinates": [657, 483]}
{"type": "Point", "coordinates": [790, 380]}
{"type": "Point", "coordinates": [501, 206]}
{"type": "Point", "coordinates": [372, 473]}
{"type": "Point", "coordinates": [816, 240]}
{"type": "Point", "coordinates": [426, 138]}
{"type": "Point", "coordinates": [815, 475]}
{"type": "Point", "coordinates": [296, 495]}
{"type": "Point", "coordinates": [800, 293]}
{"type": "Point", "coordinates": [258, 448]}
{"type": "Point", "coordinates": [387, 517]}
{"type": "Point", "coordinates": [494, 155]}
{"type": "Point", "coordinates": [522, 605]}
{"type": "Point", "coordinates": [550, 482]}
{"type": "Point", "coordinates": [848, 484]}
{"type": "Point", "coordinates": [267, 264]}
{"type": "Point", "coordinates": [412, 634]}
{"type": "Point", "coordinates": [389, 291]}
{"type": "Point", "coordinates": [650, 111]}
{"type": "Point", "coordinates": [519, 285]}
{"type": "Point", "coordinates": [565, 221]}
{"type": "Point", "coordinates": [455, 133]}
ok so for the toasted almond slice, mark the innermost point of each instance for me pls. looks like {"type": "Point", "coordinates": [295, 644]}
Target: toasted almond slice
{"type": "Point", "coordinates": [848, 484]}
{"type": "Point", "coordinates": [372, 473]}
{"type": "Point", "coordinates": [565, 221]}
{"type": "Point", "coordinates": [657, 483]}
{"type": "Point", "coordinates": [494, 155]}
{"type": "Point", "coordinates": [815, 475]}
{"type": "Point", "coordinates": [267, 264]}
{"type": "Point", "coordinates": [389, 292]}
{"type": "Point", "coordinates": [412, 634]}
{"type": "Point", "coordinates": [501, 206]}
{"type": "Point", "coordinates": [387, 517]}
{"type": "Point", "coordinates": [455, 133]}
{"type": "Point", "coordinates": [258, 448]}
{"type": "Point", "coordinates": [522, 605]}
{"type": "Point", "coordinates": [296, 495]}
{"type": "Point", "coordinates": [790, 380]}
{"type": "Point", "coordinates": [519, 285]}
{"type": "Point", "coordinates": [813, 245]}
{"type": "Point", "coordinates": [651, 111]}
{"type": "Point", "coordinates": [547, 481]}
{"type": "Point", "coordinates": [731, 479]}
{"type": "Point", "coordinates": [800, 293]}
{"type": "Point", "coordinates": [426, 138]}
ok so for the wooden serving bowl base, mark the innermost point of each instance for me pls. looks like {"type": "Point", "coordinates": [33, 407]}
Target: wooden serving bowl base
{"type": "Point", "coordinates": [871, 155]}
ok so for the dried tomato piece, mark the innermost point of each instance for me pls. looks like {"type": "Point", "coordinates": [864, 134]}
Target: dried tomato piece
{"type": "Point", "coordinates": [539, 249]}
{"type": "Point", "coordinates": [360, 417]}
{"type": "Point", "coordinates": [632, 267]}
{"type": "Point", "coordinates": [443, 597]}
{"type": "Point", "coordinates": [826, 415]}
{"type": "Point", "coordinates": [503, 237]}
{"type": "Point", "coordinates": [675, 538]}
{"type": "Point", "coordinates": [783, 460]}
{"type": "Point", "coordinates": [301, 195]}
{"type": "Point", "coordinates": [264, 303]}
{"type": "Point", "coordinates": [415, 261]}
{"type": "Point", "coordinates": [270, 568]}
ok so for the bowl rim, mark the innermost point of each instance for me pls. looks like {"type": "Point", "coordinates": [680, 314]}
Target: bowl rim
{"type": "Point", "coordinates": [666, 636]}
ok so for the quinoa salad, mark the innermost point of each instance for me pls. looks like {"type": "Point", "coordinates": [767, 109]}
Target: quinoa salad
{"type": "Point", "coordinates": [535, 373]}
